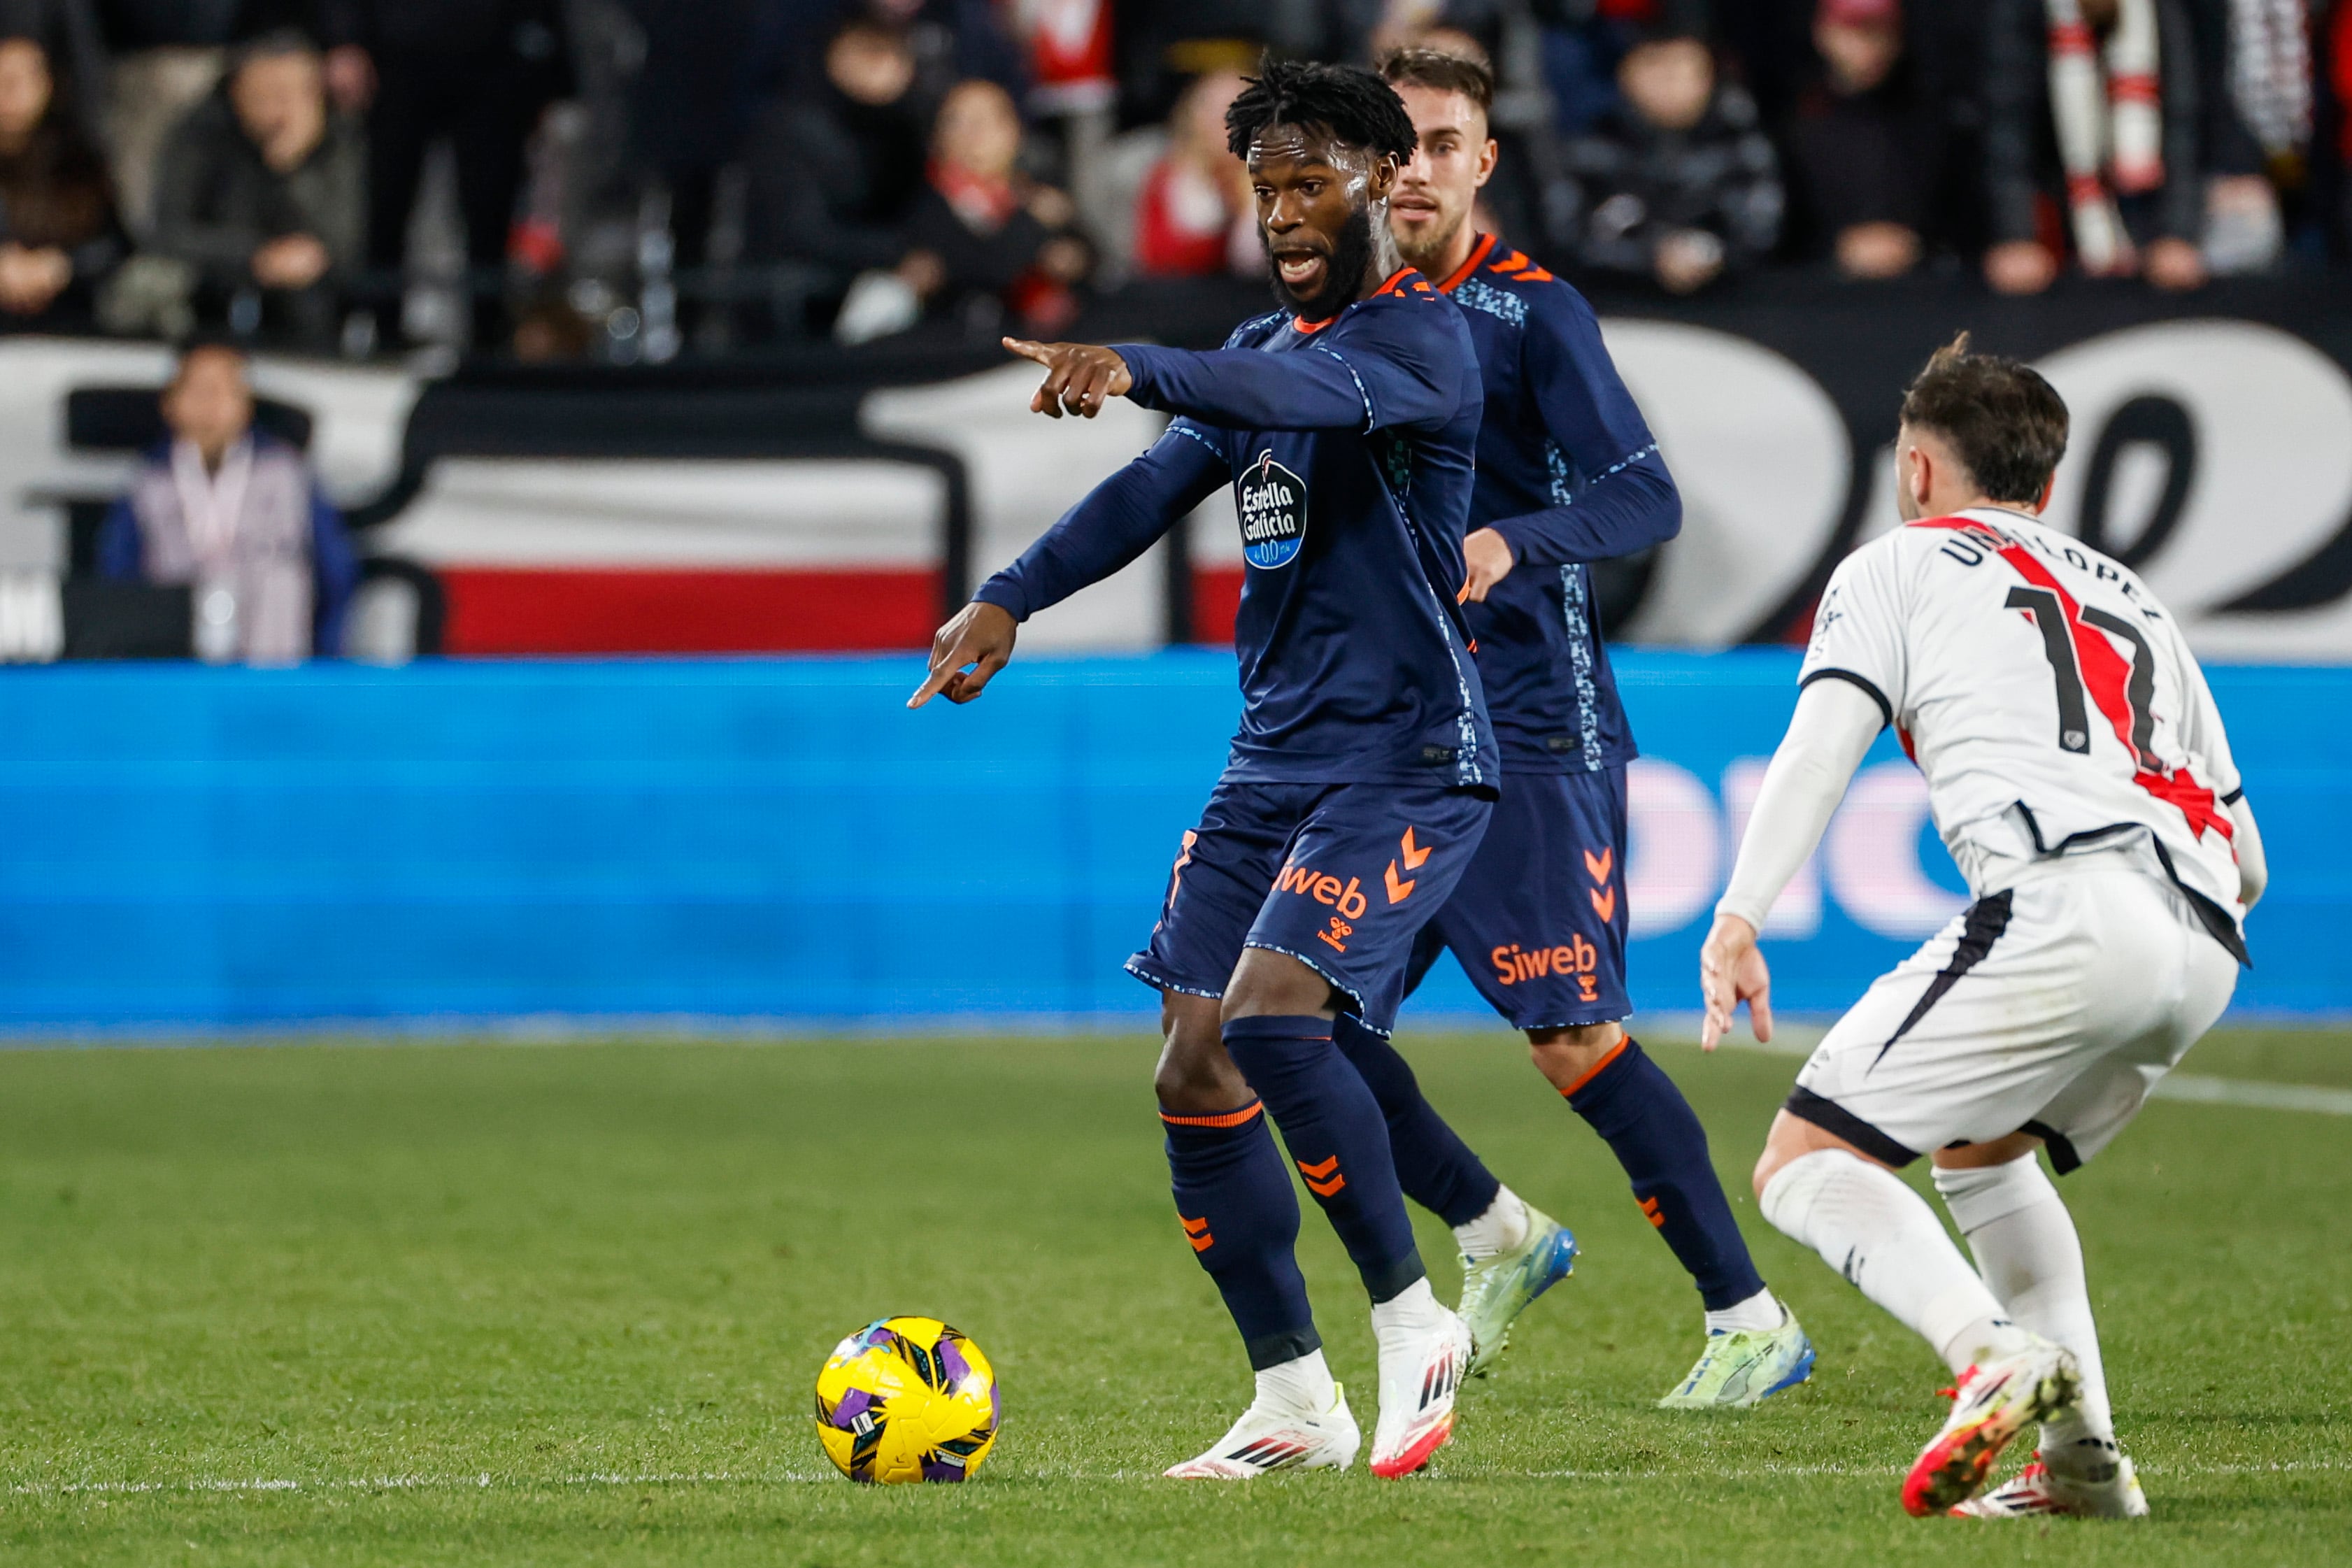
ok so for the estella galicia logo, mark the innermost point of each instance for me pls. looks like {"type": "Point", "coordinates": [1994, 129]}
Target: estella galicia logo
{"type": "Point", "coordinates": [1273, 513]}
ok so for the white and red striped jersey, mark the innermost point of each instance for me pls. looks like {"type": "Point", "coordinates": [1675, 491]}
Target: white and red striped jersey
{"type": "Point", "coordinates": [2043, 692]}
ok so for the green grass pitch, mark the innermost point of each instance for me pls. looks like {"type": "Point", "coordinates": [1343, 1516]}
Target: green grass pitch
{"type": "Point", "coordinates": [361, 1304]}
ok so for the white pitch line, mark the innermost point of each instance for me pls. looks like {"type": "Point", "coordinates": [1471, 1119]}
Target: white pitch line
{"type": "Point", "coordinates": [484, 1482]}
{"type": "Point", "coordinates": [2200, 1089]}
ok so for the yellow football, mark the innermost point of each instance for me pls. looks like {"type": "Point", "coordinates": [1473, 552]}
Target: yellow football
{"type": "Point", "coordinates": [907, 1399]}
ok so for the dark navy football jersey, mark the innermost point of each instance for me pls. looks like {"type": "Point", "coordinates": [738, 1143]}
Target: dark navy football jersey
{"type": "Point", "coordinates": [1568, 473]}
{"type": "Point", "coordinates": [1350, 446]}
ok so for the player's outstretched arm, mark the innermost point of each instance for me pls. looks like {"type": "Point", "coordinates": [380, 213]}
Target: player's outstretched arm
{"type": "Point", "coordinates": [1118, 520]}
{"type": "Point", "coordinates": [1833, 725]}
{"type": "Point", "coordinates": [1399, 368]}
{"type": "Point", "coordinates": [1079, 378]}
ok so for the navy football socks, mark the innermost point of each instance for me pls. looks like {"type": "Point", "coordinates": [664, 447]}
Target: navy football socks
{"type": "Point", "coordinates": [1337, 1139]}
{"type": "Point", "coordinates": [1241, 1216]}
{"type": "Point", "coordinates": [1433, 1166]}
{"type": "Point", "coordinates": [1655, 1135]}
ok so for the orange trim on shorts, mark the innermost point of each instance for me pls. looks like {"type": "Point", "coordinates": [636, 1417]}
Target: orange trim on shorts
{"type": "Point", "coordinates": [1223, 1119]}
{"type": "Point", "coordinates": [1597, 1068]}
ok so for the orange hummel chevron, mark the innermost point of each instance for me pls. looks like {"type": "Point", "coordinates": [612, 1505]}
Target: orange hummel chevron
{"type": "Point", "coordinates": [1323, 1180]}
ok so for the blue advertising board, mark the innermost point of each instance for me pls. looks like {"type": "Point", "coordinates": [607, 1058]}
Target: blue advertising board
{"type": "Point", "coordinates": [780, 839]}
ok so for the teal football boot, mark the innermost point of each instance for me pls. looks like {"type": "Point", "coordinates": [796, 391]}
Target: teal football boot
{"type": "Point", "coordinates": [1741, 1368]}
{"type": "Point", "coordinates": [1496, 1291]}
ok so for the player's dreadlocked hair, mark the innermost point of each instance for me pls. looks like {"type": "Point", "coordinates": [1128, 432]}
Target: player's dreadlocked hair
{"type": "Point", "coordinates": [2006, 423]}
{"type": "Point", "coordinates": [1356, 107]}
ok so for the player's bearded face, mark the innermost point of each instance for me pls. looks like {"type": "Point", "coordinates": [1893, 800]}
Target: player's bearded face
{"type": "Point", "coordinates": [1339, 282]}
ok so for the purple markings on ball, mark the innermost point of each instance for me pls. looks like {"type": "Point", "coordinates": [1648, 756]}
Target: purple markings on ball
{"type": "Point", "coordinates": [951, 1358]}
{"type": "Point", "coordinates": [854, 1404]}
{"type": "Point", "coordinates": [941, 1471]}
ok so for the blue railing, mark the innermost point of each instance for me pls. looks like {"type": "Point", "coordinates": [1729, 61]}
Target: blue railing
{"type": "Point", "coordinates": [781, 839]}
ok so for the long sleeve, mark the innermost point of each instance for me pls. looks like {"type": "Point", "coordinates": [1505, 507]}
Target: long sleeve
{"type": "Point", "coordinates": [1609, 237]}
{"type": "Point", "coordinates": [1629, 502]}
{"type": "Point", "coordinates": [2188, 160]}
{"type": "Point", "coordinates": [1118, 520]}
{"type": "Point", "coordinates": [1833, 727]}
{"type": "Point", "coordinates": [2253, 866]}
{"type": "Point", "coordinates": [1750, 201]}
{"type": "Point", "coordinates": [1626, 510]}
{"type": "Point", "coordinates": [1388, 370]}
{"type": "Point", "coordinates": [183, 176]}
{"type": "Point", "coordinates": [120, 554]}
{"type": "Point", "coordinates": [335, 574]}
{"type": "Point", "coordinates": [2016, 101]}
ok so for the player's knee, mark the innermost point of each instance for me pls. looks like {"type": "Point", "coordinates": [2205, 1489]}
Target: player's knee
{"type": "Point", "coordinates": [1194, 1074]}
{"type": "Point", "coordinates": [1768, 1165]}
{"type": "Point", "coordinates": [1567, 1057]}
{"type": "Point", "coordinates": [1197, 1082]}
{"type": "Point", "coordinates": [1274, 985]}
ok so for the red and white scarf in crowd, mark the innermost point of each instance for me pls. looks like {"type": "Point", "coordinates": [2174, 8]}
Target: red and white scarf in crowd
{"type": "Point", "coordinates": [2270, 72]}
{"type": "Point", "coordinates": [2106, 103]}
{"type": "Point", "coordinates": [2340, 76]}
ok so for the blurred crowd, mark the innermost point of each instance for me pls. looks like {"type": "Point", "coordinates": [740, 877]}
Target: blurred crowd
{"type": "Point", "coordinates": [626, 179]}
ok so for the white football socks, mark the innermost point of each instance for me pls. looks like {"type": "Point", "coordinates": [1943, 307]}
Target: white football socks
{"type": "Point", "coordinates": [2026, 1247]}
{"type": "Point", "coordinates": [1759, 1314]}
{"type": "Point", "coordinates": [1410, 1312]}
{"type": "Point", "coordinates": [1297, 1388]}
{"type": "Point", "coordinates": [1887, 1242]}
{"type": "Point", "coordinates": [1502, 1227]}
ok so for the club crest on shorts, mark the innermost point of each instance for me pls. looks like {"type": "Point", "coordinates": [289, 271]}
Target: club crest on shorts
{"type": "Point", "coordinates": [1273, 506]}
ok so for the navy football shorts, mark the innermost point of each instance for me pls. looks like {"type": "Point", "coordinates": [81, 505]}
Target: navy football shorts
{"type": "Point", "coordinates": [1538, 921]}
{"type": "Point", "coordinates": [1340, 877]}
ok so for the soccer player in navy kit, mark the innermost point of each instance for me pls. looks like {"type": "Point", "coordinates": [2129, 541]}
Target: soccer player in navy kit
{"type": "Point", "coordinates": [1364, 770]}
{"type": "Point", "coordinates": [1568, 474]}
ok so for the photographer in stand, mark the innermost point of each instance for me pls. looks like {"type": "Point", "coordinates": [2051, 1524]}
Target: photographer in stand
{"type": "Point", "coordinates": [235, 513]}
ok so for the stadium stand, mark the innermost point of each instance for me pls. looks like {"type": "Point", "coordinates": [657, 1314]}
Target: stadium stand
{"type": "Point", "coordinates": [713, 254]}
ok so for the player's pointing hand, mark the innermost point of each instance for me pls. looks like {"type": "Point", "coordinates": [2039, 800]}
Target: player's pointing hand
{"type": "Point", "coordinates": [1079, 378]}
{"type": "Point", "coordinates": [968, 652]}
{"type": "Point", "coordinates": [1731, 970]}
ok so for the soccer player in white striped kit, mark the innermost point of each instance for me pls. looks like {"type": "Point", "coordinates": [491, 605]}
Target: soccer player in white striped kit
{"type": "Point", "coordinates": [2078, 773]}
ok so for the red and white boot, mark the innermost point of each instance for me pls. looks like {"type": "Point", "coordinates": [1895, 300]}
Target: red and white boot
{"type": "Point", "coordinates": [1424, 1355]}
{"type": "Point", "coordinates": [1995, 1401]}
{"type": "Point", "coordinates": [2110, 1490]}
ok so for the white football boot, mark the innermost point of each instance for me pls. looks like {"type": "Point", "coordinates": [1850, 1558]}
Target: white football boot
{"type": "Point", "coordinates": [2111, 1490]}
{"type": "Point", "coordinates": [1265, 1441]}
{"type": "Point", "coordinates": [1995, 1401]}
{"type": "Point", "coordinates": [1422, 1369]}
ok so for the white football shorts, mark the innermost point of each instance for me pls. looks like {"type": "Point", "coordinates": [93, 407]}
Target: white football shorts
{"type": "Point", "coordinates": [2050, 1006]}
